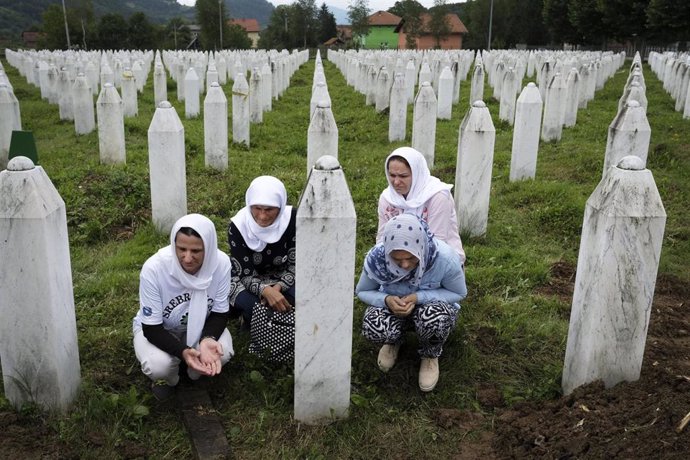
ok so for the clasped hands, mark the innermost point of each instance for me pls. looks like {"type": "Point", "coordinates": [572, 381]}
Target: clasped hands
{"type": "Point", "coordinates": [401, 306]}
{"type": "Point", "coordinates": [205, 360]}
{"type": "Point", "coordinates": [275, 299]}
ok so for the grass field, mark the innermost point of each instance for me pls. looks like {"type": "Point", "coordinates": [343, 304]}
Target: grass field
{"type": "Point", "coordinates": [510, 337]}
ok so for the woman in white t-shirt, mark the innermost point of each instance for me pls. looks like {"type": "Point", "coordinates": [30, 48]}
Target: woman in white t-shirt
{"type": "Point", "coordinates": [183, 297]}
{"type": "Point", "coordinates": [412, 189]}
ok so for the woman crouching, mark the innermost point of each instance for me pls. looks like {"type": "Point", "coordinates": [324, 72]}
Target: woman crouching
{"type": "Point", "coordinates": [411, 280]}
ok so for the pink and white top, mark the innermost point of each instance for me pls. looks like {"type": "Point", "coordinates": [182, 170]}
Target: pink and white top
{"type": "Point", "coordinates": [428, 198]}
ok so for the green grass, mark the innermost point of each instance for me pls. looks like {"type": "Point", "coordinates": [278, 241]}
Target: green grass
{"type": "Point", "coordinates": [511, 336]}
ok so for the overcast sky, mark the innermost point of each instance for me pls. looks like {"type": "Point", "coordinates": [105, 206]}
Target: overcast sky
{"type": "Point", "coordinates": [374, 5]}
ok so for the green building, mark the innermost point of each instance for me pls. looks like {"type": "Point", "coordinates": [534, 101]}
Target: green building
{"type": "Point", "coordinates": [382, 33]}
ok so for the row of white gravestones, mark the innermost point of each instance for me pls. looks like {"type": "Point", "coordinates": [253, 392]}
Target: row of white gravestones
{"type": "Point", "coordinates": [622, 234]}
{"type": "Point", "coordinates": [322, 134]}
{"type": "Point", "coordinates": [673, 69]}
{"type": "Point", "coordinates": [362, 69]}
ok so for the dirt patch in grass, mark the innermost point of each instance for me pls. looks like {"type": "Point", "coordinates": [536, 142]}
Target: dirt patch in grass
{"type": "Point", "coordinates": [631, 420]}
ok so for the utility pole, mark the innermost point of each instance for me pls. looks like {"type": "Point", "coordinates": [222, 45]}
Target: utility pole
{"type": "Point", "coordinates": [491, 17]}
{"type": "Point", "coordinates": [220, 21]}
{"type": "Point", "coordinates": [64, 14]}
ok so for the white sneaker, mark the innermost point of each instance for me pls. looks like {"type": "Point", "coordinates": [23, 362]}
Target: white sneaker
{"type": "Point", "coordinates": [387, 356]}
{"type": "Point", "coordinates": [428, 374]}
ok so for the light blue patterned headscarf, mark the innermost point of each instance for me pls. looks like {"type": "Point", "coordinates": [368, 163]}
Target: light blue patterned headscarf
{"type": "Point", "coordinates": [404, 232]}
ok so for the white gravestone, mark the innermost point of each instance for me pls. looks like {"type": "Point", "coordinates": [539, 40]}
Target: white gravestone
{"type": "Point", "coordinates": [325, 265]}
{"type": "Point", "coordinates": [629, 134]}
{"type": "Point", "coordinates": [523, 160]}
{"type": "Point", "coordinates": [191, 94]}
{"type": "Point", "coordinates": [382, 93]}
{"type": "Point", "coordinates": [111, 126]}
{"type": "Point", "coordinates": [554, 110]}
{"type": "Point", "coordinates": [167, 168]}
{"type": "Point", "coordinates": [617, 265]}
{"type": "Point", "coordinates": [256, 113]}
{"type": "Point", "coordinates": [216, 128]}
{"type": "Point", "coordinates": [410, 80]}
{"type": "Point", "coordinates": [444, 105]}
{"type": "Point", "coordinates": [240, 110]}
{"type": "Point", "coordinates": [10, 120]}
{"type": "Point", "coordinates": [129, 94]}
{"type": "Point", "coordinates": [38, 350]}
{"type": "Point", "coordinates": [82, 101]}
{"type": "Point", "coordinates": [572, 98]}
{"type": "Point", "coordinates": [506, 111]}
{"type": "Point", "coordinates": [322, 135]}
{"type": "Point", "coordinates": [65, 96]}
{"type": "Point", "coordinates": [473, 175]}
{"type": "Point", "coordinates": [424, 123]}
{"type": "Point", "coordinates": [477, 88]}
{"type": "Point", "coordinates": [160, 85]}
{"type": "Point", "coordinates": [266, 87]}
{"type": "Point", "coordinates": [397, 116]}
{"type": "Point", "coordinates": [319, 93]}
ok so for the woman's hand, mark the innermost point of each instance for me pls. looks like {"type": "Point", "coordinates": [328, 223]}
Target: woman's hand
{"type": "Point", "coordinates": [275, 299]}
{"type": "Point", "coordinates": [210, 354]}
{"type": "Point", "coordinates": [400, 307]}
{"type": "Point", "coordinates": [192, 357]}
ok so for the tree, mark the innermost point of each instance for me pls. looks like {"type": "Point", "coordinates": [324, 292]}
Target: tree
{"type": "Point", "coordinates": [79, 22]}
{"type": "Point", "coordinates": [141, 33]}
{"type": "Point", "coordinates": [305, 25]}
{"type": "Point", "coordinates": [327, 25]}
{"type": "Point", "coordinates": [237, 38]}
{"type": "Point", "coordinates": [111, 32]}
{"type": "Point", "coordinates": [439, 28]}
{"type": "Point", "coordinates": [358, 12]}
{"type": "Point", "coordinates": [587, 22]}
{"type": "Point", "coordinates": [410, 11]}
{"type": "Point", "coordinates": [623, 19]}
{"type": "Point", "coordinates": [211, 14]}
{"type": "Point", "coordinates": [276, 35]}
{"type": "Point", "coordinates": [176, 34]}
{"type": "Point", "coordinates": [669, 20]}
{"type": "Point", "coordinates": [555, 14]}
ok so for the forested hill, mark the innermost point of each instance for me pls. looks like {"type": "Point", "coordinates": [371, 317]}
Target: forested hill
{"type": "Point", "coordinates": [16, 16]}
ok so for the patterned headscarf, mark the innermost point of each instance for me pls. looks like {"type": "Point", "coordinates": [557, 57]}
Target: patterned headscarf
{"type": "Point", "coordinates": [404, 232]}
{"type": "Point", "coordinates": [263, 191]}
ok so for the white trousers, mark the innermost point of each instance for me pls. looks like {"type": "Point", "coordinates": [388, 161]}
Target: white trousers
{"type": "Point", "coordinates": [156, 364]}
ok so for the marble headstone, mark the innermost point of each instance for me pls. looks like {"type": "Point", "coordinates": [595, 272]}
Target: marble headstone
{"type": "Point", "coordinates": [325, 261]}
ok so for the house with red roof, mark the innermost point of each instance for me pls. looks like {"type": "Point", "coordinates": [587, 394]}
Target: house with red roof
{"type": "Point", "coordinates": [426, 41]}
{"type": "Point", "coordinates": [251, 26]}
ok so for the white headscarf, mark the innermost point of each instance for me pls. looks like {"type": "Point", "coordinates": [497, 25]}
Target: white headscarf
{"type": "Point", "coordinates": [263, 191]}
{"type": "Point", "coordinates": [423, 186]}
{"type": "Point", "coordinates": [199, 282]}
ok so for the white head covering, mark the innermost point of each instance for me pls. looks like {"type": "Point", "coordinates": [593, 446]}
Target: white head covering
{"type": "Point", "coordinates": [263, 191]}
{"type": "Point", "coordinates": [199, 282]}
{"type": "Point", "coordinates": [423, 186]}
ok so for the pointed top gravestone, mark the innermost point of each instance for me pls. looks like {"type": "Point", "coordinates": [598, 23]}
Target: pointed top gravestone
{"type": "Point", "coordinates": [325, 261]}
{"type": "Point", "coordinates": [39, 350]}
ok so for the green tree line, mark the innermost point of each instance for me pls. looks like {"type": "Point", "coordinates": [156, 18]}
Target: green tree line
{"type": "Point", "coordinates": [591, 23]}
{"type": "Point", "coordinates": [113, 31]}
